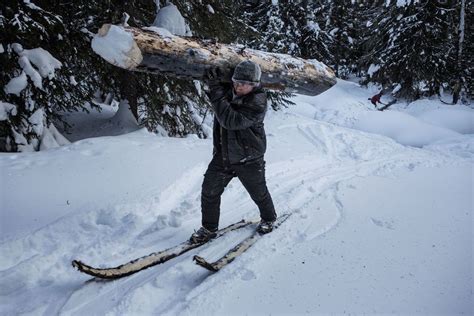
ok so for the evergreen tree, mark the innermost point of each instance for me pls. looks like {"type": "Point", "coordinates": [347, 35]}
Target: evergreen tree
{"type": "Point", "coordinates": [316, 41]}
{"type": "Point", "coordinates": [30, 32]}
{"type": "Point", "coordinates": [279, 24]}
{"type": "Point", "coordinates": [340, 25]}
{"type": "Point", "coordinates": [465, 44]}
{"type": "Point", "coordinates": [411, 48]}
{"type": "Point", "coordinates": [170, 106]}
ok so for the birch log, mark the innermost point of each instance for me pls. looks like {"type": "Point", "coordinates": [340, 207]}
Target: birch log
{"type": "Point", "coordinates": [155, 50]}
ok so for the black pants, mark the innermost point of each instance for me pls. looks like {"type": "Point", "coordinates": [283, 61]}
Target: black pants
{"type": "Point", "coordinates": [455, 97]}
{"type": "Point", "coordinates": [218, 176]}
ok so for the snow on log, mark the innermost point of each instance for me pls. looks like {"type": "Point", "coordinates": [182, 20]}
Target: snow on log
{"type": "Point", "coordinates": [155, 50]}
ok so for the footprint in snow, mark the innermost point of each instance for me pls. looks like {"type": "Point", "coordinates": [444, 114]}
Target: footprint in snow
{"type": "Point", "coordinates": [248, 275]}
{"type": "Point", "coordinates": [388, 225]}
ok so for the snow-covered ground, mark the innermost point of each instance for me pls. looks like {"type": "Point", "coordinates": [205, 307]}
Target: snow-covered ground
{"type": "Point", "coordinates": [382, 220]}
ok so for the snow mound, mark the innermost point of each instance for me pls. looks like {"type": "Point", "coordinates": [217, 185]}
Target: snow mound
{"type": "Point", "coordinates": [171, 19]}
{"type": "Point", "coordinates": [403, 128]}
{"type": "Point", "coordinates": [461, 121]}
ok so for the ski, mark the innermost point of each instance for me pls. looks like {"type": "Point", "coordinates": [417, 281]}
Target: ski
{"type": "Point", "coordinates": [233, 253]}
{"type": "Point", "coordinates": [152, 259]}
{"type": "Point", "coordinates": [386, 106]}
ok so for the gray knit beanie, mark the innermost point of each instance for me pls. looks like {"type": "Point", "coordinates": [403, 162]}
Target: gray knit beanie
{"type": "Point", "coordinates": [247, 70]}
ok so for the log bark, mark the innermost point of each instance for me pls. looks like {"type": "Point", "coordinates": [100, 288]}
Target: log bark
{"type": "Point", "coordinates": [155, 50]}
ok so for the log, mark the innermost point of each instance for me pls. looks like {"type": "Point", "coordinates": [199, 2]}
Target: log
{"type": "Point", "coordinates": [155, 50]}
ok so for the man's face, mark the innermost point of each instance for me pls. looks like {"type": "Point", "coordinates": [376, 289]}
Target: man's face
{"type": "Point", "coordinates": [243, 88]}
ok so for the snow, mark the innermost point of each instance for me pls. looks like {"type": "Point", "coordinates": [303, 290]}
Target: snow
{"type": "Point", "coordinates": [170, 18]}
{"type": "Point", "coordinates": [31, 5]}
{"type": "Point", "coordinates": [403, 128]}
{"type": "Point", "coordinates": [117, 47]}
{"type": "Point", "coordinates": [400, 3]}
{"type": "Point", "coordinates": [461, 121]}
{"type": "Point", "coordinates": [160, 31]}
{"type": "Point", "coordinates": [37, 63]}
{"type": "Point", "coordinates": [313, 26]}
{"type": "Point", "coordinates": [368, 264]}
{"type": "Point", "coordinates": [397, 88]}
{"type": "Point", "coordinates": [198, 86]}
{"type": "Point", "coordinates": [110, 121]}
{"type": "Point", "coordinates": [7, 109]}
{"type": "Point", "coordinates": [378, 227]}
{"type": "Point", "coordinates": [49, 136]}
{"type": "Point", "coordinates": [373, 69]}
{"type": "Point", "coordinates": [16, 84]}
{"type": "Point", "coordinates": [52, 138]}
{"type": "Point", "coordinates": [125, 18]}
{"type": "Point", "coordinates": [34, 75]}
{"type": "Point", "coordinates": [210, 9]}
{"type": "Point", "coordinates": [36, 120]}
{"type": "Point", "coordinates": [45, 63]}
{"type": "Point", "coordinates": [73, 81]}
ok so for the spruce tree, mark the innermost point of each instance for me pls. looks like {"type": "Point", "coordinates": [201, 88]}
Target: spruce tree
{"type": "Point", "coordinates": [411, 48]}
{"type": "Point", "coordinates": [29, 31]}
{"type": "Point", "coordinates": [316, 42]}
{"type": "Point", "coordinates": [162, 104]}
{"type": "Point", "coordinates": [340, 25]}
{"type": "Point", "coordinates": [464, 17]}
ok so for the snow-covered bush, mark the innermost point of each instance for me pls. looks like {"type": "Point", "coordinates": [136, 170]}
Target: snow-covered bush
{"type": "Point", "coordinates": [35, 83]}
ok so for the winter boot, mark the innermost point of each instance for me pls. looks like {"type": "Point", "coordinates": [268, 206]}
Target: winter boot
{"type": "Point", "coordinates": [202, 235]}
{"type": "Point", "coordinates": [264, 227]}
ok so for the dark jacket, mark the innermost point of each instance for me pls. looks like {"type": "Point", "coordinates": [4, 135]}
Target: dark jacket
{"type": "Point", "coordinates": [238, 130]}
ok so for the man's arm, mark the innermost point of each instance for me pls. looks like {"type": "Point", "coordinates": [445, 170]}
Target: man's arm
{"type": "Point", "coordinates": [251, 113]}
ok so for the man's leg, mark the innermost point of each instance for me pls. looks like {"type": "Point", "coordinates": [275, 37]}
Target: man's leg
{"type": "Point", "coordinates": [455, 97]}
{"type": "Point", "coordinates": [252, 176]}
{"type": "Point", "coordinates": [216, 179]}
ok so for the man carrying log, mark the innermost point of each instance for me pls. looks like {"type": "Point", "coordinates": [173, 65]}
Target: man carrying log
{"type": "Point", "coordinates": [239, 146]}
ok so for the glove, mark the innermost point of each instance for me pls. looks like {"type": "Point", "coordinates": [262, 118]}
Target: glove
{"type": "Point", "coordinates": [213, 74]}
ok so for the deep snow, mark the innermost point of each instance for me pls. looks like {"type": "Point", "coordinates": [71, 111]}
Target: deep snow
{"type": "Point", "coordinates": [378, 226]}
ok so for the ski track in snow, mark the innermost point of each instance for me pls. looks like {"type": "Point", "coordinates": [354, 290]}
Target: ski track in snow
{"type": "Point", "coordinates": [306, 163]}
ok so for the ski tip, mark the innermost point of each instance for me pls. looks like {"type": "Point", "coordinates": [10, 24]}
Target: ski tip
{"type": "Point", "coordinates": [203, 263]}
{"type": "Point", "coordinates": [80, 266]}
{"type": "Point", "coordinates": [199, 260]}
{"type": "Point", "coordinates": [76, 264]}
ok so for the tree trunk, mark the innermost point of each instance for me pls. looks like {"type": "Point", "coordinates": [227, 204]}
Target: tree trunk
{"type": "Point", "coordinates": [461, 32]}
{"type": "Point", "coordinates": [156, 51]}
{"type": "Point", "coordinates": [128, 88]}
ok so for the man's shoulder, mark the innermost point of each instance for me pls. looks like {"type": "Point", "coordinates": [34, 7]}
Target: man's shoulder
{"type": "Point", "coordinates": [258, 96]}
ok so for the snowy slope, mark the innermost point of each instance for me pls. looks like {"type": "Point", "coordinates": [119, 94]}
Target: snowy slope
{"type": "Point", "coordinates": [377, 226]}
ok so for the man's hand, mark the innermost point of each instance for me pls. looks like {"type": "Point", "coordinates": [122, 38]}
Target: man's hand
{"type": "Point", "coordinates": [216, 74]}
{"type": "Point", "coordinates": [213, 74]}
